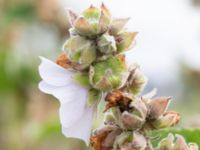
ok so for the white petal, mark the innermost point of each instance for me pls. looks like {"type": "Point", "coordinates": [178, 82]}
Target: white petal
{"type": "Point", "coordinates": [72, 111]}
{"type": "Point", "coordinates": [54, 74]}
{"type": "Point", "coordinates": [82, 128]}
{"type": "Point", "coordinates": [63, 93]}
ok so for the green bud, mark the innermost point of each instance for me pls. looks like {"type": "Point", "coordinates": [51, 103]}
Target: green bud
{"type": "Point", "coordinates": [80, 51]}
{"type": "Point", "coordinates": [93, 21]}
{"type": "Point", "coordinates": [109, 118]}
{"type": "Point", "coordinates": [125, 40]}
{"type": "Point", "coordinates": [106, 44]}
{"type": "Point", "coordinates": [108, 74]}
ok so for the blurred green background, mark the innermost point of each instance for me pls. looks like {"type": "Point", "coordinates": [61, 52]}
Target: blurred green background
{"type": "Point", "coordinates": [29, 118]}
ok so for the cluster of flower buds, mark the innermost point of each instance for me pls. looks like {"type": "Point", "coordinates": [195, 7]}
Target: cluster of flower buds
{"type": "Point", "coordinates": [96, 46]}
{"type": "Point", "coordinates": [134, 116]}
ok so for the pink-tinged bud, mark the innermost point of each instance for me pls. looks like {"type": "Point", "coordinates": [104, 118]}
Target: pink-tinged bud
{"type": "Point", "coordinates": [139, 141]}
{"type": "Point", "coordinates": [72, 16]}
{"type": "Point", "coordinates": [180, 143]}
{"type": "Point", "coordinates": [168, 119]}
{"type": "Point", "coordinates": [158, 106]}
{"type": "Point", "coordinates": [131, 121]}
{"type": "Point", "coordinates": [139, 108]}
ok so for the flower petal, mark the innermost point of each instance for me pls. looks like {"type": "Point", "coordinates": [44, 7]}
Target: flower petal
{"type": "Point", "coordinates": [80, 129]}
{"type": "Point", "coordinates": [72, 111]}
{"type": "Point", "coordinates": [63, 93]}
{"type": "Point", "coordinates": [54, 74]}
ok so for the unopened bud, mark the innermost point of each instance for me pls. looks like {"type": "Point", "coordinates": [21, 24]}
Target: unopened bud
{"type": "Point", "coordinates": [125, 40]}
{"type": "Point", "coordinates": [81, 51]}
{"type": "Point", "coordinates": [158, 106]}
{"type": "Point", "coordinates": [131, 121]}
{"type": "Point", "coordinates": [108, 74]}
{"type": "Point", "coordinates": [136, 81]}
{"type": "Point", "coordinates": [106, 44]}
{"type": "Point", "coordinates": [93, 21]}
{"type": "Point", "coordinates": [169, 119]}
{"type": "Point", "coordinates": [167, 143]}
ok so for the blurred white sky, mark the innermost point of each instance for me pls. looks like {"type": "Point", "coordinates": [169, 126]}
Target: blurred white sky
{"type": "Point", "coordinates": [169, 30]}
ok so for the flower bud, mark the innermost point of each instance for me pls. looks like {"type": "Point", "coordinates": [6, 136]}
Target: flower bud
{"type": "Point", "coordinates": [139, 141]}
{"type": "Point", "coordinates": [104, 137]}
{"type": "Point", "coordinates": [108, 74]}
{"type": "Point", "coordinates": [193, 146]}
{"type": "Point", "coordinates": [109, 118]}
{"type": "Point", "coordinates": [158, 106]}
{"type": "Point", "coordinates": [122, 139]}
{"type": "Point", "coordinates": [180, 143]}
{"type": "Point", "coordinates": [168, 119]}
{"type": "Point", "coordinates": [167, 143]}
{"type": "Point", "coordinates": [93, 21]}
{"type": "Point", "coordinates": [125, 40]}
{"type": "Point", "coordinates": [136, 81]}
{"type": "Point", "coordinates": [106, 44]}
{"type": "Point", "coordinates": [139, 108]}
{"type": "Point", "coordinates": [117, 25]}
{"type": "Point", "coordinates": [131, 121]}
{"type": "Point", "coordinates": [81, 51]}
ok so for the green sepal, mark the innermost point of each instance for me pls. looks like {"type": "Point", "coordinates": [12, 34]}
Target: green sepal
{"type": "Point", "coordinates": [93, 96]}
{"type": "Point", "coordinates": [124, 137]}
{"type": "Point", "coordinates": [82, 79]}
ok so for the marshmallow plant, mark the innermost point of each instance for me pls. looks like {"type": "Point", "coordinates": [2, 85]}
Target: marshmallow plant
{"type": "Point", "coordinates": [91, 68]}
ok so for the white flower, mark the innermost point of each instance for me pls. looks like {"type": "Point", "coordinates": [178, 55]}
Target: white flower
{"type": "Point", "coordinates": [75, 115]}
